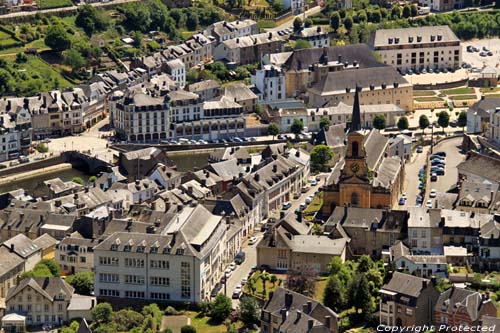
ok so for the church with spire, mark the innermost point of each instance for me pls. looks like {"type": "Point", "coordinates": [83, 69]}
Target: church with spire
{"type": "Point", "coordinates": [367, 176]}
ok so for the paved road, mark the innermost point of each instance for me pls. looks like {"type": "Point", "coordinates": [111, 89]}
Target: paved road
{"type": "Point", "coordinates": [453, 158]}
{"type": "Point", "coordinates": [411, 177]}
{"type": "Point", "coordinates": [289, 23]}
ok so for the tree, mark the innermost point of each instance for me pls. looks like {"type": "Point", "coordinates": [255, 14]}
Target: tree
{"type": "Point", "coordinates": [364, 264]}
{"type": "Point", "coordinates": [414, 10]}
{"type": "Point", "coordinates": [308, 22]}
{"type": "Point", "coordinates": [379, 122]}
{"type": "Point", "coordinates": [297, 126]}
{"type": "Point", "coordinates": [57, 38]}
{"type": "Point", "coordinates": [395, 12]}
{"type": "Point", "coordinates": [362, 299]}
{"type": "Point", "coordinates": [90, 19]}
{"type": "Point", "coordinates": [443, 119]}
{"type": "Point", "coordinates": [74, 59]}
{"type": "Point", "coordinates": [403, 123]}
{"type": "Point", "coordinates": [335, 294]}
{"type": "Point", "coordinates": [362, 16]}
{"type": "Point", "coordinates": [249, 311]}
{"type": "Point", "coordinates": [126, 319]}
{"type": "Point", "coordinates": [220, 308]}
{"type": "Point", "coordinates": [324, 122]}
{"type": "Point", "coordinates": [335, 21]}
{"type": "Point", "coordinates": [297, 24]}
{"type": "Point", "coordinates": [273, 129]}
{"type": "Point", "coordinates": [188, 329]}
{"type": "Point", "coordinates": [278, 6]}
{"type": "Point", "coordinates": [42, 147]}
{"type": "Point", "coordinates": [376, 16]}
{"type": "Point", "coordinates": [334, 266]}
{"type": "Point", "coordinates": [21, 58]}
{"type": "Point", "coordinates": [5, 79]}
{"type": "Point", "coordinates": [137, 16]}
{"type": "Point", "coordinates": [348, 23]}
{"type": "Point", "coordinates": [302, 282]}
{"type": "Point", "coordinates": [423, 123]}
{"type": "Point", "coordinates": [53, 266]}
{"type": "Point", "coordinates": [92, 179]}
{"type": "Point", "coordinates": [102, 312]}
{"type": "Point", "coordinates": [320, 156]}
{"type": "Point", "coordinates": [192, 21]}
{"type": "Point", "coordinates": [462, 117]}
{"type": "Point", "coordinates": [317, 229]}
{"type": "Point", "coordinates": [78, 180]}
{"type": "Point", "coordinates": [406, 11]}
{"type": "Point", "coordinates": [302, 44]}
{"type": "Point", "coordinates": [83, 282]}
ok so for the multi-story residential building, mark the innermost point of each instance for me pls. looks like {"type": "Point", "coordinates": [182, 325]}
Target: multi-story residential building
{"type": "Point", "coordinates": [270, 82]}
{"type": "Point", "coordinates": [425, 235]}
{"type": "Point", "coordinates": [181, 264]}
{"type": "Point", "coordinates": [296, 6]}
{"type": "Point", "coordinates": [494, 132]}
{"type": "Point", "coordinates": [243, 95]}
{"type": "Point", "coordinates": [16, 128]}
{"type": "Point", "coordinates": [248, 49]}
{"type": "Point", "coordinates": [407, 300]}
{"type": "Point", "coordinates": [41, 300]}
{"type": "Point", "coordinates": [377, 85]}
{"type": "Point", "coordinates": [442, 5]}
{"type": "Point", "coordinates": [139, 116]}
{"type": "Point", "coordinates": [202, 46]}
{"type": "Point", "coordinates": [223, 30]}
{"type": "Point", "coordinates": [206, 89]}
{"type": "Point", "coordinates": [457, 307]}
{"type": "Point", "coordinates": [288, 311]}
{"type": "Point", "coordinates": [185, 106]}
{"type": "Point", "coordinates": [75, 254]}
{"type": "Point", "coordinates": [316, 36]}
{"type": "Point", "coordinates": [26, 249]}
{"type": "Point", "coordinates": [489, 244]}
{"type": "Point", "coordinates": [480, 116]}
{"type": "Point", "coordinates": [12, 267]}
{"type": "Point", "coordinates": [177, 71]}
{"type": "Point", "coordinates": [418, 48]}
{"type": "Point", "coordinates": [400, 146]}
{"type": "Point", "coordinates": [77, 103]}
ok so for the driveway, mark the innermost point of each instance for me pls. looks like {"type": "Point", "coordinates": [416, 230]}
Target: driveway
{"type": "Point", "coordinates": [453, 158]}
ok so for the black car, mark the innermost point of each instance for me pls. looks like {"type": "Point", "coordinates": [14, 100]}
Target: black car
{"type": "Point", "coordinates": [440, 153]}
{"type": "Point", "coordinates": [440, 172]}
{"type": "Point", "coordinates": [216, 290]}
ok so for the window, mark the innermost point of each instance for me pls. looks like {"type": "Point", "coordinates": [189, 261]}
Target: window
{"type": "Point", "coordinates": [59, 307]}
{"type": "Point", "coordinates": [409, 312]}
{"type": "Point", "coordinates": [46, 307]}
{"type": "Point", "coordinates": [354, 149]}
{"type": "Point", "coordinates": [159, 264]}
{"type": "Point", "coordinates": [134, 262]}
{"type": "Point", "coordinates": [83, 259]}
{"type": "Point", "coordinates": [109, 292]}
{"type": "Point", "coordinates": [159, 281]}
{"type": "Point", "coordinates": [134, 294]}
{"type": "Point", "coordinates": [185, 280]}
{"type": "Point", "coordinates": [62, 257]}
{"type": "Point", "coordinates": [134, 279]}
{"type": "Point", "coordinates": [161, 296]}
{"type": "Point", "coordinates": [354, 199]}
{"type": "Point", "coordinates": [109, 277]}
{"type": "Point", "coordinates": [108, 261]}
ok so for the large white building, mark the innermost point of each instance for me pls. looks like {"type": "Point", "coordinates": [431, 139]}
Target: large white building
{"type": "Point", "coordinates": [418, 48]}
{"type": "Point", "coordinates": [270, 82]}
{"type": "Point", "coordinates": [182, 264]}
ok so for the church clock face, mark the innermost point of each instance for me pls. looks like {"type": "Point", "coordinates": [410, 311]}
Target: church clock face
{"type": "Point", "coordinates": [354, 167]}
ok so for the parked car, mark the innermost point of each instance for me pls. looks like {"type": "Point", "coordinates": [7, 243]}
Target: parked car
{"type": "Point", "coordinates": [421, 186]}
{"type": "Point", "coordinates": [304, 189]}
{"type": "Point", "coordinates": [23, 159]}
{"type": "Point", "coordinates": [402, 201]}
{"type": "Point", "coordinates": [440, 153]}
{"type": "Point", "coordinates": [239, 258]}
{"type": "Point", "coordinates": [228, 272]}
{"type": "Point", "coordinates": [286, 205]}
{"type": "Point", "coordinates": [232, 266]}
{"type": "Point", "coordinates": [252, 240]}
{"type": "Point", "coordinates": [434, 177]}
{"type": "Point", "coordinates": [420, 149]}
{"type": "Point", "coordinates": [216, 290]}
{"type": "Point", "coordinates": [432, 193]}
{"type": "Point", "coordinates": [428, 204]}
{"type": "Point", "coordinates": [244, 281]}
{"type": "Point", "coordinates": [237, 292]}
{"type": "Point", "coordinates": [314, 182]}
{"type": "Point", "coordinates": [296, 195]}
{"type": "Point", "coordinates": [13, 163]}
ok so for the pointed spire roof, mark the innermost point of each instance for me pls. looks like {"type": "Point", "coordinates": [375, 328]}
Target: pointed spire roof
{"type": "Point", "coordinates": [356, 112]}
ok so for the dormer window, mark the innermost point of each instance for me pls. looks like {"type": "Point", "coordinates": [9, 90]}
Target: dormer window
{"type": "Point", "coordinates": [179, 252]}
{"type": "Point", "coordinates": [166, 250]}
{"type": "Point", "coordinates": [153, 249]}
{"type": "Point", "coordinates": [114, 247]}
{"type": "Point", "coordinates": [127, 248]}
{"type": "Point", "coordinates": [140, 249]}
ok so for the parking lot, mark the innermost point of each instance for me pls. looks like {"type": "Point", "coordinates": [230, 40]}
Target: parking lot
{"type": "Point", "coordinates": [476, 60]}
{"type": "Point", "coordinates": [433, 78]}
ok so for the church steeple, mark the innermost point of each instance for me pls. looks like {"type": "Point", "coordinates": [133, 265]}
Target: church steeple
{"type": "Point", "coordinates": [356, 112]}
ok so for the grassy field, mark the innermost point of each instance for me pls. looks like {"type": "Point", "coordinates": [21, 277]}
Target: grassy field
{"type": "Point", "coordinates": [458, 91]}
{"type": "Point", "coordinates": [490, 90]}
{"type": "Point", "coordinates": [202, 324]}
{"type": "Point", "coordinates": [423, 93]}
{"type": "Point", "coordinates": [428, 99]}
{"type": "Point", "coordinates": [266, 24]}
{"type": "Point", "coordinates": [47, 4]}
{"type": "Point", "coordinates": [462, 97]}
{"type": "Point", "coordinates": [492, 96]}
{"type": "Point", "coordinates": [315, 205]}
{"type": "Point", "coordinates": [319, 289]}
{"type": "Point", "coordinates": [257, 283]}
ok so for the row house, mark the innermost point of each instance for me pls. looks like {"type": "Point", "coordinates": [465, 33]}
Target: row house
{"type": "Point", "coordinates": [316, 36]}
{"type": "Point", "coordinates": [75, 254]}
{"type": "Point", "coordinates": [270, 83]}
{"type": "Point", "coordinates": [478, 196]}
{"type": "Point", "coordinates": [223, 30]}
{"type": "Point", "coordinates": [248, 49]}
{"type": "Point", "coordinates": [489, 244]}
{"type": "Point", "coordinates": [16, 128]}
{"type": "Point", "coordinates": [206, 89]}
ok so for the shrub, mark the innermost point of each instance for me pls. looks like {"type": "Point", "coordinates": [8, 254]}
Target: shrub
{"type": "Point", "coordinates": [42, 148]}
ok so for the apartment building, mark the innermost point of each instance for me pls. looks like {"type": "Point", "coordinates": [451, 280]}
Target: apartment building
{"type": "Point", "coordinates": [418, 48]}
{"type": "Point", "coordinates": [12, 267]}
{"type": "Point", "coordinates": [494, 132]}
{"type": "Point", "coordinates": [177, 70]}
{"type": "Point", "coordinates": [425, 235]}
{"type": "Point", "coordinates": [489, 244]}
{"type": "Point", "coordinates": [270, 83]}
{"type": "Point", "coordinates": [407, 300]}
{"type": "Point", "coordinates": [183, 263]}
{"type": "Point", "coordinates": [296, 6]}
{"type": "Point", "coordinates": [442, 5]}
{"type": "Point", "coordinates": [316, 36]}
{"type": "Point", "coordinates": [75, 254]}
{"type": "Point", "coordinates": [223, 30]}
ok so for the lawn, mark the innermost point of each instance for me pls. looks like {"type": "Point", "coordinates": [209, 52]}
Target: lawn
{"type": "Point", "coordinates": [492, 96]}
{"type": "Point", "coordinates": [428, 99]}
{"type": "Point", "coordinates": [266, 24]}
{"type": "Point", "coordinates": [319, 289]}
{"type": "Point", "coordinates": [490, 90]}
{"type": "Point", "coordinates": [459, 91]}
{"type": "Point", "coordinates": [256, 281]}
{"type": "Point", "coordinates": [46, 4]}
{"type": "Point", "coordinates": [462, 97]}
{"type": "Point", "coordinates": [202, 324]}
{"type": "Point", "coordinates": [423, 93]}
{"type": "Point", "coordinates": [315, 205]}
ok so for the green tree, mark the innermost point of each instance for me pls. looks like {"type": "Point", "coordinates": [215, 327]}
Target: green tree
{"type": "Point", "coordinates": [361, 15]}
{"type": "Point", "coordinates": [188, 329]}
{"type": "Point", "coordinates": [53, 266]}
{"type": "Point", "coordinates": [249, 311]}
{"type": "Point", "coordinates": [192, 21]}
{"type": "Point", "coordinates": [335, 265]}
{"type": "Point", "coordinates": [57, 38]}
{"type": "Point", "coordinates": [364, 264]}
{"type": "Point", "coordinates": [302, 44]}
{"type": "Point", "coordinates": [403, 123]}
{"type": "Point", "coordinates": [42, 147]}
{"type": "Point", "coordinates": [297, 24]}
{"type": "Point", "coordinates": [137, 16]}
{"type": "Point", "coordinates": [348, 23]}
{"type": "Point", "coordinates": [297, 126]}
{"type": "Point", "coordinates": [83, 282]}
{"type": "Point", "coordinates": [362, 299]}
{"type": "Point", "coordinates": [317, 229]}
{"type": "Point", "coordinates": [302, 282]}
{"type": "Point", "coordinates": [5, 78]}
{"type": "Point", "coordinates": [308, 22]}
{"type": "Point", "coordinates": [320, 156]}
{"type": "Point", "coordinates": [273, 129]}
{"type": "Point", "coordinates": [395, 12]}
{"type": "Point", "coordinates": [127, 319]}
{"type": "Point", "coordinates": [91, 19]}
{"type": "Point", "coordinates": [406, 11]}
{"type": "Point", "coordinates": [443, 119]}
{"type": "Point", "coordinates": [78, 180]}
{"type": "Point", "coordinates": [220, 308]}
{"type": "Point", "coordinates": [92, 179]}
{"type": "Point", "coordinates": [102, 313]}
{"type": "Point", "coordinates": [414, 10]}
{"type": "Point", "coordinates": [335, 21]}
{"type": "Point", "coordinates": [324, 122]}
{"type": "Point", "coordinates": [376, 16]}
{"type": "Point", "coordinates": [462, 117]}
{"type": "Point", "coordinates": [379, 122]}
{"type": "Point", "coordinates": [273, 279]}
{"type": "Point", "coordinates": [278, 6]}
{"type": "Point", "coordinates": [423, 123]}
{"type": "Point", "coordinates": [21, 58]}
{"type": "Point", "coordinates": [74, 59]}
{"type": "Point", "coordinates": [335, 294]}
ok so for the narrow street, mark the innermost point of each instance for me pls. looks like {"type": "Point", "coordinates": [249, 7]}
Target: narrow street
{"type": "Point", "coordinates": [289, 23]}
{"type": "Point", "coordinates": [412, 181]}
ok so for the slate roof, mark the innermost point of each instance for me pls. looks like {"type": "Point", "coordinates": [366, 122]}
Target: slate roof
{"type": "Point", "coordinates": [8, 260]}
{"type": "Point", "coordinates": [45, 241]}
{"type": "Point", "coordinates": [381, 36]}
{"type": "Point", "coordinates": [454, 299]}
{"type": "Point", "coordinates": [253, 40]}
{"type": "Point", "coordinates": [203, 85]}
{"type": "Point", "coordinates": [318, 244]}
{"type": "Point", "coordinates": [226, 169]}
{"type": "Point", "coordinates": [333, 136]}
{"type": "Point", "coordinates": [406, 284]}
{"type": "Point", "coordinates": [49, 287]}
{"type": "Point", "coordinates": [23, 246]}
{"type": "Point", "coordinates": [239, 92]}
{"type": "Point", "coordinates": [482, 166]}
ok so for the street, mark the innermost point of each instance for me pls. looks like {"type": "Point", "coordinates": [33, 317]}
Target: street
{"type": "Point", "coordinates": [411, 181]}
{"type": "Point", "coordinates": [453, 158]}
{"type": "Point", "coordinates": [289, 23]}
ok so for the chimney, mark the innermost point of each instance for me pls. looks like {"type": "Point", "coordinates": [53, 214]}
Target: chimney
{"type": "Point", "coordinates": [11, 248]}
{"type": "Point", "coordinates": [288, 300]}
{"type": "Point", "coordinates": [92, 303]}
{"type": "Point", "coordinates": [318, 29]}
{"type": "Point", "coordinates": [298, 315]}
{"type": "Point", "coordinates": [424, 284]}
{"type": "Point", "coordinates": [237, 40]}
{"type": "Point", "coordinates": [328, 321]}
{"type": "Point", "coordinates": [58, 203]}
{"type": "Point", "coordinates": [21, 216]}
{"type": "Point", "coordinates": [340, 58]}
{"type": "Point", "coordinates": [256, 177]}
{"type": "Point", "coordinates": [270, 36]}
{"type": "Point", "coordinates": [283, 315]}
{"type": "Point", "coordinates": [282, 215]}
{"type": "Point", "coordinates": [309, 307]}
{"type": "Point", "coordinates": [310, 324]}
{"type": "Point", "coordinates": [304, 308]}
{"type": "Point", "coordinates": [275, 168]}
{"type": "Point", "coordinates": [297, 153]}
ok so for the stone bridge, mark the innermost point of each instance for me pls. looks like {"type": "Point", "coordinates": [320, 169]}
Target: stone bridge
{"type": "Point", "coordinates": [90, 164]}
